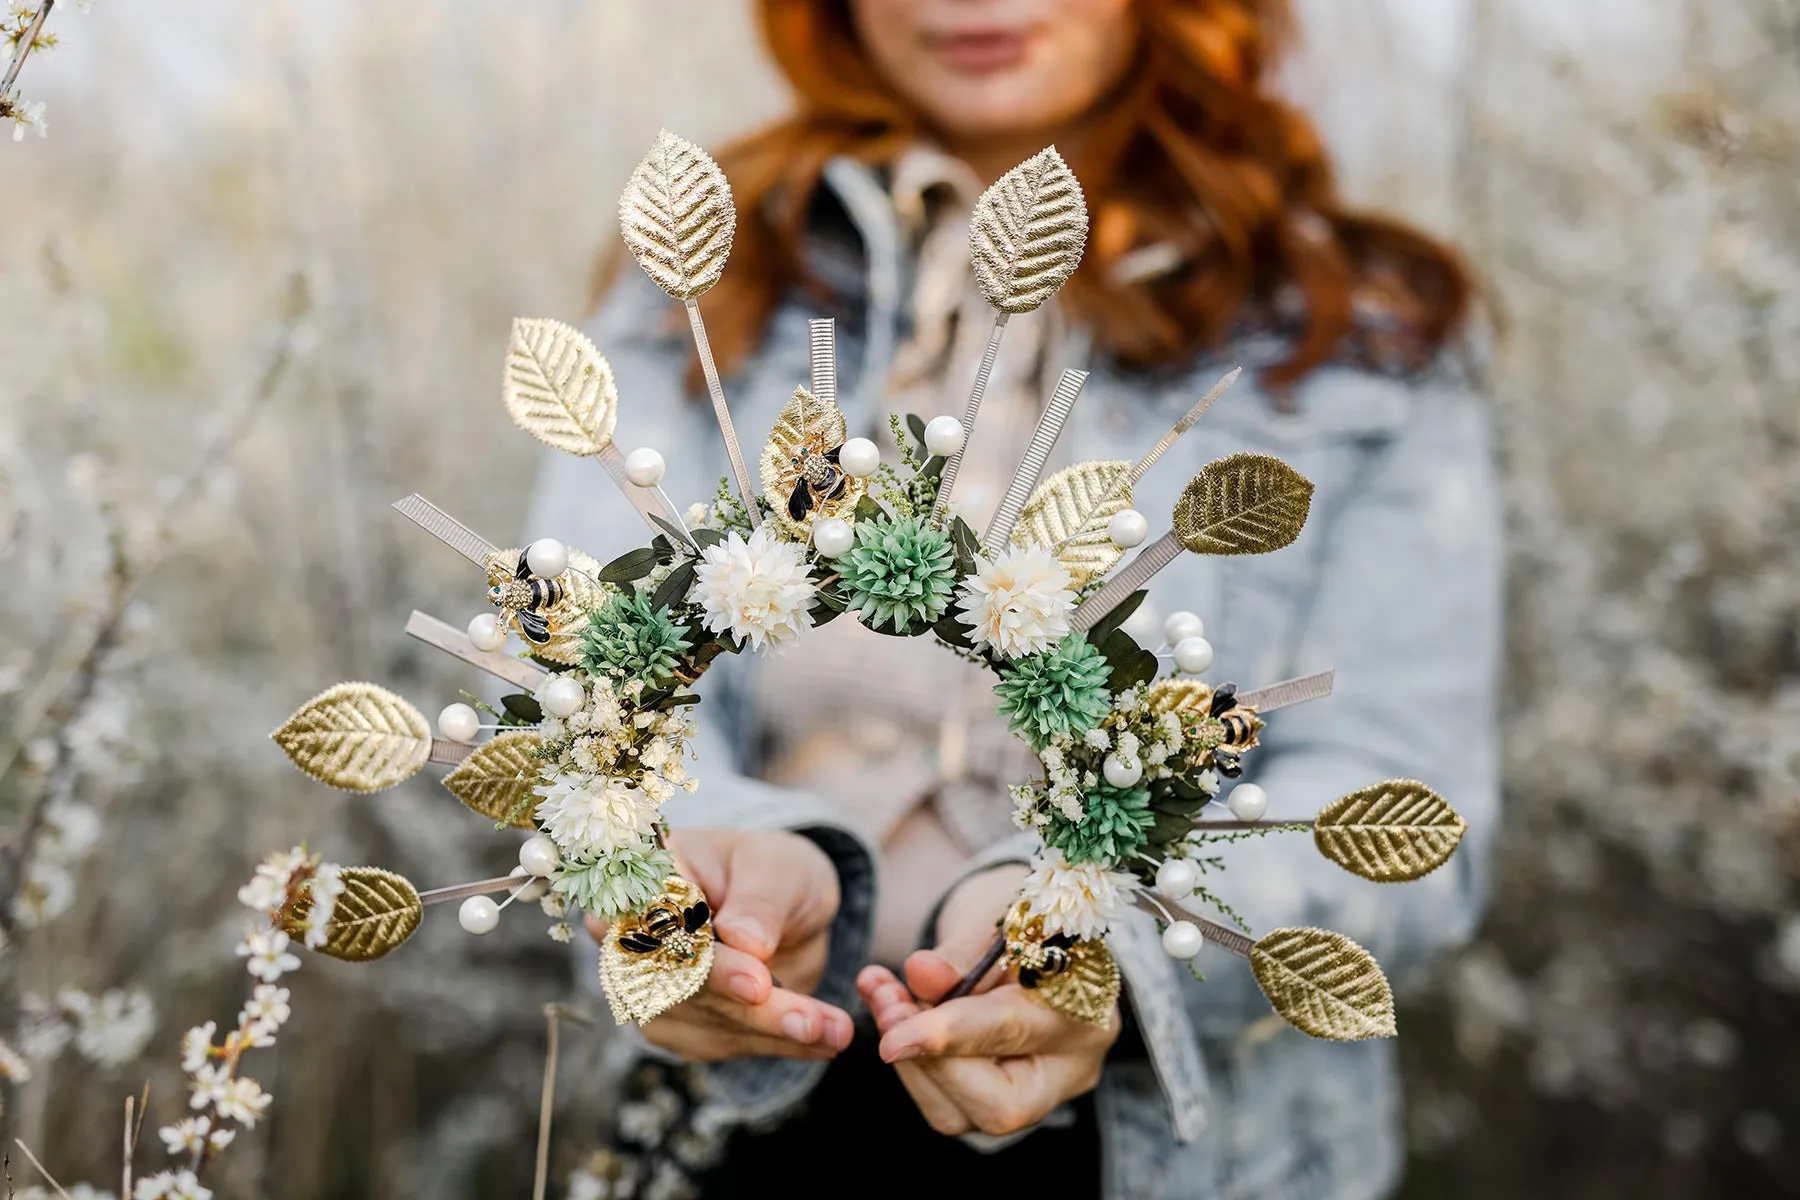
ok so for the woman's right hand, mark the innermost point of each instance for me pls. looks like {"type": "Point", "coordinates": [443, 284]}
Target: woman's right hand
{"type": "Point", "coordinates": [773, 896]}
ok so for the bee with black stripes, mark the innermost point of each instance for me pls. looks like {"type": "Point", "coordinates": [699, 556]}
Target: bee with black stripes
{"type": "Point", "coordinates": [667, 927]}
{"type": "Point", "coordinates": [819, 479]}
{"type": "Point", "coordinates": [1231, 729]}
{"type": "Point", "coordinates": [1045, 960]}
{"type": "Point", "coordinates": [527, 598]}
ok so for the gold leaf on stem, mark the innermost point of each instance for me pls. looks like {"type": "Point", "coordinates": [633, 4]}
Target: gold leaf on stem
{"type": "Point", "coordinates": [1070, 510]}
{"type": "Point", "coordinates": [640, 982]}
{"type": "Point", "coordinates": [497, 778]}
{"type": "Point", "coordinates": [557, 388]}
{"type": "Point", "coordinates": [357, 737]}
{"type": "Point", "coordinates": [1243, 504]}
{"type": "Point", "coordinates": [677, 217]}
{"type": "Point", "coordinates": [1181, 694]}
{"type": "Point", "coordinates": [806, 425]}
{"type": "Point", "coordinates": [1027, 233]}
{"type": "Point", "coordinates": [1389, 832]}
{"type": "Point", "coordinates": [1324, 984]}
{"type": "Point", "coordinates": [377, 911]}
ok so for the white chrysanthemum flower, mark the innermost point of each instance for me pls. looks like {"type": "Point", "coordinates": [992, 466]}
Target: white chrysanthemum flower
{"type": "Point", "coordinates": [592, 816]}
{"type": "Point", "coordinates": [1019, 602]}
{"type": "Point", "coordinates": [1080, 900]}
{"type": "Point", "coordinates": [756, 590]}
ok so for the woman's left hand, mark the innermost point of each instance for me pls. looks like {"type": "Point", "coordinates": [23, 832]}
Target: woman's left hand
{"type": "Point", "coordinates": [998, 1061]}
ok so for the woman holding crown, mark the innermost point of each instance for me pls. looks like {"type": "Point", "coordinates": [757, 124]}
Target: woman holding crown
{"type": "Point", "coordinates": [853, 831]}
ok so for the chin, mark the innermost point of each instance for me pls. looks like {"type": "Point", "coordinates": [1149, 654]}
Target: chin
{"type": "Point", "coordinates": [989, 108]}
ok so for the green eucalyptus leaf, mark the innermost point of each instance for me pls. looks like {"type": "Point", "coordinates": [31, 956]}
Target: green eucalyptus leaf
{"type": "Point", "coordinates": [629, 567]}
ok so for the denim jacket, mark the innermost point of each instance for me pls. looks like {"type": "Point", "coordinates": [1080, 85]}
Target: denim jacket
{"type": "Point", "coordinates": [1395, 582]}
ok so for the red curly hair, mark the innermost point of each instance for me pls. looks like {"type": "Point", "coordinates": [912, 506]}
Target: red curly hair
{"type": "Point", "coordinates": [1193, 150]}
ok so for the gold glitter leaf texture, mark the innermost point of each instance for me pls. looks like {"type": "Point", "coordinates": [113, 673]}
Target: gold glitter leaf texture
{"type": "Point", "coordinates": [807, 425]}
{"type": "Point", "coordinates": [497, 778]}
{"type": "Point", "coordinates": [1027, 233]}
{"type": "Point", "coordinates": [357, 737]}
{"type": "Point", "coordinates": [1390, 832]}
{"type": "Point", "coordinates": [1186, 697]}
{"type": "Point", "coordinates": [378, 911]}
{"type": "Point", "coordinates": [1084, 985]}
{"type": "Point", "coordinates": [1324, 984]}
{"type": "Point", "coordinates": [557, 387]}
{"type": "Point", "coordinates": [1066, 512]}
{"type": "Point", "coordinates": [677, 217]}
{"type": "Point", "coordinates": [642, 986]}
{"type": "Point", "coordinates": [1243, 504]}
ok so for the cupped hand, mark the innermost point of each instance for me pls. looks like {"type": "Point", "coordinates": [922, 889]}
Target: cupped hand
{"type": "Point", "coordinates": [773, 897]}
{"type": "Point", "coordinates": [999, 1060]}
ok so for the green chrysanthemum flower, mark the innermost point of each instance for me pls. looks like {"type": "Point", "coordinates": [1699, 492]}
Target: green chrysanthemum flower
{"type": "Point", "coordinates": [1061, 692]}
{"type": "Point", "coordinates": [631, 639]}
{"type": "Point", "coordinates": [1116, 825]}
{"type": "Point", "coordinates": [617, 882]}
{"type": "Point", "coordinates": [898, 573]}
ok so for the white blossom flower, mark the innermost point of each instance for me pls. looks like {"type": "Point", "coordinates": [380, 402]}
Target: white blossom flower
{"type": "Point", "coordinates": [553, 904]}
{"type": "Point", "coordinates": [47, 893]}
{"type": "Point", "coordinates": [186, 1136]}
{"type": "Point", "coordinates": [267, 1004]}
{"type": "Point", "coordinates": [115, 1027]}
{"type": "Point", "coordinates": [29, 114]}
{"type": "Point", "coordinates": [171, 1185]}
{"type": "Point", "coordinates": [42, 1033]}
{"type": "Point", "coordinates": [196, 1046]}
{"type": "Point", "coordinates": [561, 932]}
{"type": "Point", "coordinates": [210, 1085]}
{"type": "Point", "coordinates": [756, 590]}
{"type": "Point", "coordinates": [327, 885]}
{"type": "Point", "coordinates": [267, 951]}
{"type": "Point", "coordinates": [71, 831]}
{"type": "Point", "coordinates": [244, 1101]}
{"type": "Point", "coordinates": [1079, 899]}
{"type": "Point", "coordinates": [13, 1065]}
{"type": "Point", "coordinates": [1019, 602]}
{"type": "Point", "coordinates": [593, 816]}
{"type": "Point", "coordinates": [75, 1191]}
{"type": "Point", "coordinates": [263, 893]}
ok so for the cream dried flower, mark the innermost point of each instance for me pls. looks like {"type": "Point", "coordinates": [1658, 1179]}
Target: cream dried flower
{"type": "Point", "coordinates": [1019, 602]}
{"type": "Point", "coordinates": [755, 590]}
{"type": "Point", "coordinates": [587, 816]}
{"type": "Point", "coordinates": [1079, 899]}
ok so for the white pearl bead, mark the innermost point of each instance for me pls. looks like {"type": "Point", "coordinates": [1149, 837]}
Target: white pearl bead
{"type": "Point", "coordinates": [478, 915]}
{"type": "Point", "coordinates": [539, 855]}
{"type": "Point", "coordinates": [944, 436]}
{"type": "Point", "coordinates": [1128, 528]}
{"type": "Point", "coordinates": [1122, 772]}
{"type": "Point", "coordinates": [645, 467]}
{"type": "Point", "coordinates": [547, 558]}
{"type": "Point", "coordinates": [1193, 654]}
{"type": "Point", "coordinates": [1177, 878]}
{"type": "Point", "coordinates": [833, 536]}
{"type": "Point", "coordinates": [1182, 939]}
{"type": "Point", "coordinates": [1247, 802]}
{"type": "Point", "coordinates": [458, 723]}
{"type": "Point", "coordinates": [1144, 626]}
{"type": "Point", "coordinates": [485, 632]}
{"type": "Point", "coordinates": [1181, 626]}
{"type": "Point", "coordinates": [859, 457]}
{"type": "Point", "coordinates": [562, 696]}
{"type": "Point", "coordinates": [532, 890]}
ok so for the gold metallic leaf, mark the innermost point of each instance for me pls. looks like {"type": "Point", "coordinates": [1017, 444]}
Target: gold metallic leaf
{"type": "Point", "coordinates": [497, 778]}
{"type": "Point", "coordinates": [1027, 232]}
{"type": "Point", "coordinates": [377, 911]}
{"type": "Point", "coordinates": [557, 387]}
{"type": "Point", "coordinates": [1243, 504]}
{"type": "Point", "coordinates": [1324, 984]}
{"type": "Point", "coordinates": [1179, 694]}
{"type": "Point", "coordinates": [581, 595]}
{"type": "Point", "coordinates": [357, 737]}
{"type": "Point", "coordinates": [1079, 981]}
{"type": "Point", "coordinates": [642, 986]}
{"type": "Point", "coordinates": [1389, 832]}
{"type": "Point", "coordinates": [1066, 512]}
{"type": "Point", "coordinates": [677, 217]}
{"type": "Point", "coordinates": [807, 425]}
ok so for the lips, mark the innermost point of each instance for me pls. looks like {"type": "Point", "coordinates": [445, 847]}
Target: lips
{"type": "Point", "coordinates": [980, 51]}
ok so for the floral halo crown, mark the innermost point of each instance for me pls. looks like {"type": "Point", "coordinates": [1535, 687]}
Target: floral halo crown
{"type": "Point", "coordinates": [585, 753]}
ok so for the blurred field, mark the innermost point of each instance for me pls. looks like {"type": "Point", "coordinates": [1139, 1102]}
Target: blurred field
{"type": "Point", "coordinates": [1621, 174]}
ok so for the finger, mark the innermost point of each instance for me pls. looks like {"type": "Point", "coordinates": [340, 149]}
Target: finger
{"type": "Point", "coordinates": [999, 1098]}
{"type": "Point", "coordinates": [596, 928]}
{"type": "Point", "coordinates": [739, 976]}
{"type": "Point", "coordinates": [800, 964]}
{"type": "Point", "coordinates": [939, 1110]}
{"type": "Point", "coordinates": [1002, 1023]}
{"type": "Point", "coordinates": [784, 1014]}
{"type": "Point", "coordinates": [888, 1000]}
{"type": "Point", "coordinates": [930, 974]}
{"type": "Point", "coordinates": [701, 1043]}
{"type": "Point", "coordinates": [765, 894]}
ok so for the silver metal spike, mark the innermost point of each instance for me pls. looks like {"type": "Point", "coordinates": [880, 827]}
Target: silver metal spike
{"type": "Point", "coordinates": [821, 334]}
{"type": "Point", "coordinates": [443, 750]}
{"type": "Point", "coordinates": [446, 529]}
{"type": "Point", "coordinates": [1219, 935]}
{"type": "Point", "coordinates": [1151, 559]}
{"type": "Point", "coordinates": [1037, 453]}
{"type": "Point", "coordinates": [1289, 691]}
{"type": "Point", "coordinates": [453, 641]}
{"type": "Point", "coordinates": [1187, 422]}
{"type": "Point", "coordinates": [733, 450]}
{"type": "Point", "coordinates": [947, 481]}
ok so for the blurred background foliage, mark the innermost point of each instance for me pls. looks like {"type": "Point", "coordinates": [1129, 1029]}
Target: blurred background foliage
{"type": "Point", "coordinates": [255, 285]}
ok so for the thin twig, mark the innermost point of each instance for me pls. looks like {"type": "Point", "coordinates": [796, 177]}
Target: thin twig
{"type": "Point", "coordinates": [1232, 826]}
{"type": "Point", "coordinates": [48, 1178]}
{"type": "Point", "coordinates": [554, 1015]}
{"type": "Point", "coordinates": [978, 972]}
{"type": "Point", "coordinates": [26, 42]}
{"type": "Point", "coordinates": [133, 1129]}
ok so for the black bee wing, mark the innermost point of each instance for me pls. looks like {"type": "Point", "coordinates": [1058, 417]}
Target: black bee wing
{"type": "Point", "coordinates": [1060, 939]}
{"type": "Point", "coordinates": [1224, 700]}
{"type": "Point", "coordinates": [1227, 763]}
{"type": "Point", "coordinates": [523, 570]}
{"type": "Point", "coordinates": [800, 501]}
{"type": "Point", "coordinates": [1028, 977]}
{"type": "Point", "coordinates": [639, 944]}
{"type": "Point", "coordinates": [831, 455]}
{"type": "Point", "coordinates": [534, 627]}
{"type": "Point", "coordinates": [695, 917]}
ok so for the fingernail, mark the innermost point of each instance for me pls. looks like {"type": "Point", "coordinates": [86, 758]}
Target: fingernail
{"type": "Point", "coordinates": [745, 989]}
{"type": "Point", "coordinates": [747, 929]}
{"type": "Point", "coordinates": [900, 1055]}
{"type": "Point", "coordinates": [797, 1027]}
